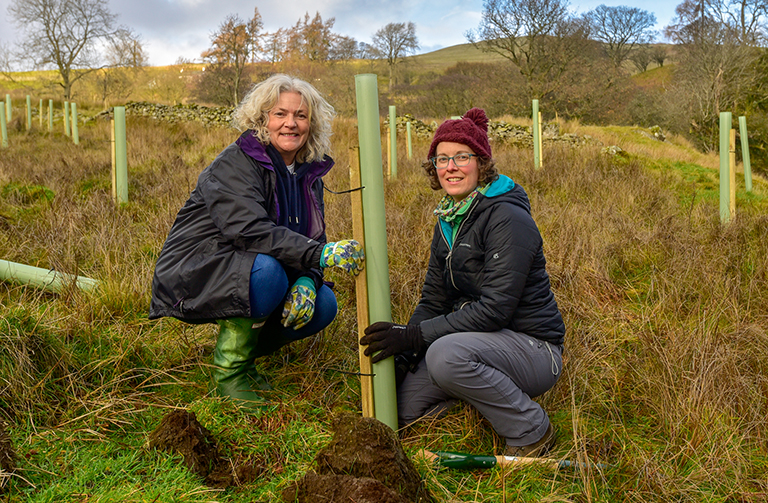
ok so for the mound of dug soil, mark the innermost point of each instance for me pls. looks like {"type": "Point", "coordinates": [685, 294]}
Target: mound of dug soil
{"type": "Point", "coordinates": [364, 462]}
{"type": "Point", "coordinates": [180, 432]}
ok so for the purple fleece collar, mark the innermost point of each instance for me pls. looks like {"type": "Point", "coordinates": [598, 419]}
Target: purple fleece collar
{"type": "Point", "coordinates": [258, 151]}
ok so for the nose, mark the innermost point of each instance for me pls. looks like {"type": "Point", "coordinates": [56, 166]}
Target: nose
{"type": "Point", "coordinates": [290, 121]}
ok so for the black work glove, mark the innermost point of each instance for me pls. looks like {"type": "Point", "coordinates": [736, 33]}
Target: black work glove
{"type": "Point", "coordinates": [390, 339]}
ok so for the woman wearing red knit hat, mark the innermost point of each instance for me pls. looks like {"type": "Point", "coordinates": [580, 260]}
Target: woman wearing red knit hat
{"type": "Point", "coordinates": [487, 329]}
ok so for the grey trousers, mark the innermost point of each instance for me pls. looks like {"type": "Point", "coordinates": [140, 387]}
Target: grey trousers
{"type": "Point", "coordinates": [496, 372]}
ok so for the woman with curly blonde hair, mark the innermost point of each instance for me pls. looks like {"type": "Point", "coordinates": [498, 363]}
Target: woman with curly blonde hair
{"type": "Point", "coordinates": [248, 248]}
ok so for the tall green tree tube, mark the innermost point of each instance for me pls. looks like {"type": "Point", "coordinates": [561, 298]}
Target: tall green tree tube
{"type": "Point", "coordinates": [66, 119]}
{"type": "Point", "coordinates": [745, 153]}
{"type": "Point", "coordinates": [725, 167]}
{"type": "Point", "coordinates": [29, 113]}
{"type": "Point", "coordinates": [536, 140]}
{"type": "Point", "coordinates": [393, 141]}
{"type": "Point", "coordinates": [376, 261]}
{"type": "Point", "coordinates": [121, 157]}
{"type": "Point", "coordinates": [3, 127]}
{"type": "Point", "coordinates": [75, 134]}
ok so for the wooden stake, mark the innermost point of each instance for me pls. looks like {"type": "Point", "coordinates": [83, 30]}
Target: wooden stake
{"type": "Point", "coordinates": [361, 285]}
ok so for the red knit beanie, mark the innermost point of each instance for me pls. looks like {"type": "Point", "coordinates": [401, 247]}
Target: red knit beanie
{"type": "Point", "coordinates": [471, 130]}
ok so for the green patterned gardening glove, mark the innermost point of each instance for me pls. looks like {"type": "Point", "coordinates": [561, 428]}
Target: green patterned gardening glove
{"type": "Point", "coordinates": [347, 254]}
{"type": "Point", "coordinates": [300, 305]}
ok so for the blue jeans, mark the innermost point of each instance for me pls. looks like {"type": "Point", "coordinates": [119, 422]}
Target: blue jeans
{"type": "Point", "coordinates": [269, 288]}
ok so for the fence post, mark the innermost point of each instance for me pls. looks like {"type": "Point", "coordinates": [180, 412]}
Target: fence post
{"type": "Point", "coordinates": [536, 131]}
{"type": "Point", "coordinates": [745, 153]}
{"type": "Point", "coordinates": [121, 157]}
{"type": "Point", "coordinates": [3, 128]}
{"type": "Point", "coordinates": [50, 116]}
{"type": "Point", "coordinates": [66, 119]}
{"type": "Point", "coordinates": [393, 142]}
{"type": "Point", "coordinates": [75, 135]}
{"type": "Point", "coordinates": [29, 113]}
{"type": "Point", "coordinates": [408, 139]}
{"type": "Point", "coordinates": [725, 176]}
{"type": "Point", "coordinates": [376, 261]}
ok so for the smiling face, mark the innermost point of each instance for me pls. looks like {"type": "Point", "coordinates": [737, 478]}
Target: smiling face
{"type": "Point", "coordinates": [457, 182]}
{"type": "Point", "coordinates": [288, 125]}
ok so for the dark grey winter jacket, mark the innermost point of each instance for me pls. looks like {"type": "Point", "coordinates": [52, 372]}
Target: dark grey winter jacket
{"type": "Point", "coordinates": [493, 276]}
{"type": "Point", "coordinates": [203, 272]}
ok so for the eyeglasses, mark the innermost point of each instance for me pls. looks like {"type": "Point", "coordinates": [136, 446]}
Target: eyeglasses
{"type": "Point", "coordinates": [459, 160]}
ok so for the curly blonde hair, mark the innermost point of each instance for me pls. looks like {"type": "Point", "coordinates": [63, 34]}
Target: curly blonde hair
{"type": "Point", "coordinates": [253, 113]}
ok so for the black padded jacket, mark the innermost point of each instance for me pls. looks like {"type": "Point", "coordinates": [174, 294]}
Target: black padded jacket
{"type": "Point", "coordinates": [493, 275]}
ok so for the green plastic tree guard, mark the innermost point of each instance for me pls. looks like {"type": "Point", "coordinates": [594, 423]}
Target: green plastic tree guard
{"type": "Point", "coordinates": [536, 137]}
{"type": "Point", "coordinates": [376, 262]}
{"type": "Point", "coordinates": [75, 135]}
{"type": "Point", "coordinates": [121, 157]}
{"type": "Point", "coordinates": [46, 279]}
{"type": "Point", "coordinates": [393, 141]}
{"type": "Point", "coordinates": [725, 167]}
{"type": "Point", "coordinates": [745, 153]}
{"type": "Point", "coordinates": [29, 113]}
{"type": "Point", "coordinates": [408, 139]}
{"type": "Point", "coordinates": [40, 112]}
{"type": "Point", "coordinates": [66, 119]}
{"type": "Point", "coordinates": [3, 127]}
{"type": "Point", "coordinates": [50, 116]}
{"type": "Point", "coordinates": [8, 105]}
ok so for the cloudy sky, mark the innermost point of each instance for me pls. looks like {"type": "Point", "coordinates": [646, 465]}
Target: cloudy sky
{"type": "Point", "coordinates": [174, 28]}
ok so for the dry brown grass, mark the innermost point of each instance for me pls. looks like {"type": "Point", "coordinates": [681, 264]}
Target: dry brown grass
{"type": "Point", "coordinates": [665, 373]}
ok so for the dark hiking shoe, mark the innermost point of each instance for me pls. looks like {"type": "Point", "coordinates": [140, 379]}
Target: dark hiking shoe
{"type": "Point", "coordinates": [535, 449]}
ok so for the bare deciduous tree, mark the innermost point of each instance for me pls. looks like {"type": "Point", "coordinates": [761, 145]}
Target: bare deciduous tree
{"type": "Point", "coordinates": [394, 42]}
{"type": "Point", "coordinates": [641, 57]}
{"type": "Point", "coordinates": [621, 28]}
{"type": "Point", "coordinates": [716, 67]}
{"type": "Point", "coordinates": [63, 34]}
{"type": "Point", "coordinates": [231, 46]}
{"type": "Point", "coordinates": [126, 49]}
{"type": "Point", "coordinates": [659, 55]}
{"type": "Point", "coordinates": [540, 37]}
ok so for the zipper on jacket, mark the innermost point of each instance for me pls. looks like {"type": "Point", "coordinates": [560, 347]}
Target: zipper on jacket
{"type": "Point", "coordinates": [450, 248]}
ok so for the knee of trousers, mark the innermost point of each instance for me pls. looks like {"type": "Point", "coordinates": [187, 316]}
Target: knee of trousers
{"type": "Point", "coordinates": [446, 361]}
{"type": "Point", "coordinates": [268, 285]}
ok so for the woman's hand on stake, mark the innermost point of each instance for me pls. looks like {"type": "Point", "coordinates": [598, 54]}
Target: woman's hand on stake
{"type": "Point", "coordinates": [388, 339]}
{"type": "Point", "coordinates": [346, 254]}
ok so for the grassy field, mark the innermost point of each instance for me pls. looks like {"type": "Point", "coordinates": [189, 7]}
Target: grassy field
{"type": "Point", "coordinates": [665, 366]}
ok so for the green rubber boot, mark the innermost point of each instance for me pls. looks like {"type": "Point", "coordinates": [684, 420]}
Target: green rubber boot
{"type": "Point", "coordinates": [233, 357]}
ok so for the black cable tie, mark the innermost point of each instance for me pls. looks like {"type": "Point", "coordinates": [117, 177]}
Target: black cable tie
{"type": "Point", "coordinates": [344, 191]}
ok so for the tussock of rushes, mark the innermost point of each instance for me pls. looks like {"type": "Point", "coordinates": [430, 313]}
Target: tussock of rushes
{"type": "Point", "coordinates": [665, 371]}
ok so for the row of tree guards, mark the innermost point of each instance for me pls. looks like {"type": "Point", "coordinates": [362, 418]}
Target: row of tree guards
{"type": "Point", "coordinates": [70, 118]}
{"type": "Point", "coordinates": [56, 281]}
